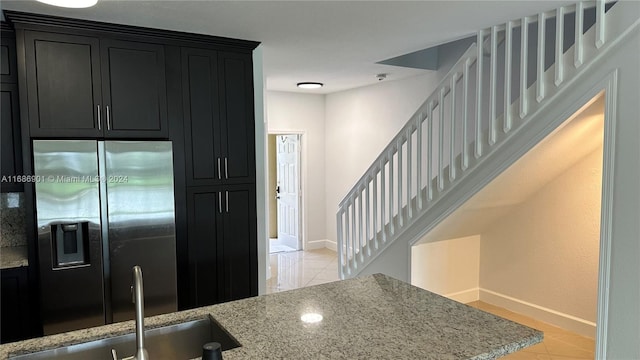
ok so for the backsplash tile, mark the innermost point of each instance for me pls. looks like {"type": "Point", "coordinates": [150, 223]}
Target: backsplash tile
{"type": "Point", "coordinates": [12, 216]}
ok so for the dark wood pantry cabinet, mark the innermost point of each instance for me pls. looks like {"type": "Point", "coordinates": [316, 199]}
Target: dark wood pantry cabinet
{"type": "Point", "coordinates": [85, 79]}
{"type": "Point", "coordinates": [84, 86]}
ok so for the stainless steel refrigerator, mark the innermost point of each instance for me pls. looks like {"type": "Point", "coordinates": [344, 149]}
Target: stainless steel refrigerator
{"type": "Point", "coordinates": [103, 207]}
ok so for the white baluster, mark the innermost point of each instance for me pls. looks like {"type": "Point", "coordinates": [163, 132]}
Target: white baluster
{"type": "Point", "coordinates": [559, 46]}
{"type": "Point", "coordinates": [419, 162]}
{"type": "Point", "coordinates": [493, 88]}
{"type": "Point", "coordinates": [429, 151]}
{"type": "Point", "coordinates": [392, 229]}
{"type": "Point", "coordinates": [340, 239]}
{"type": "Point", "coordinates": [600, 23]}
{"type": "Point", "coordinates": [441, 140]}
{"type": "Point", "coordinates": [507, 75]}
{"type": "Point", "coordinates": [367, 216]}
{"type": "Point", "coordinates": [540, 68]}
{"type": "Point", "coordinates": [400, 181]}
{"type": "Point", "coordinates": [409, 172]}
{"type": "Point", "coordinates": [579, 28]}
{"type": "Point", "coordinates": [383, 195]}
{"type": "Point", "coordinates": [452, 132]}
{"type": "Point", "coordinates": [479, 61]}
{"type": "Point", "coordinates": [375, 210]}
{"type": "Point", "coordinates": [524, 54]}
{"type": "Point", "coordinates": [465, 114]}
{"type": "Point", "coordinates": [361, 240]}
{"type": "Point", "coordinates": [354, 246]}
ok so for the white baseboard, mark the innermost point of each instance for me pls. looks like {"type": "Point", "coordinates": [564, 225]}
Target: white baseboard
{"type": "Point", "coordinates": [465, 296]}
{"type": "Point", "coordinates": [321, 244]}
{"type": "Point", "coordinates": [553, 317]}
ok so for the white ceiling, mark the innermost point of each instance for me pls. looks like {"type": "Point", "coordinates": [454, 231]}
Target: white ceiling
{"type": "Point", "coordinates": [334, 42]}
{"type": "Point", "coordinates": [575, 139]}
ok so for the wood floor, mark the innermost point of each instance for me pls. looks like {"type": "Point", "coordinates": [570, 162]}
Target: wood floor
{"type": "Point", "coordinates": [558, 344]}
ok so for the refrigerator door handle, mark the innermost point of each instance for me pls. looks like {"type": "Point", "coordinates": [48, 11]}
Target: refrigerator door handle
{"type": "Point", "coordinates": [220, 202]}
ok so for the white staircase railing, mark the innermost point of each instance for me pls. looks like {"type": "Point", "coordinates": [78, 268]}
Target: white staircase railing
{"type": "Point", "coordinates": [464, 118]}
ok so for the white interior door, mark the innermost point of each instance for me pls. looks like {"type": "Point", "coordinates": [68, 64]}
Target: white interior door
{"type": "Point", "coordinates": [288, 188]}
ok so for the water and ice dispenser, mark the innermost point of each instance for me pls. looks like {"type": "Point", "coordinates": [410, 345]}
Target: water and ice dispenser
{"type": "Point", "coordinates": [70, 244]}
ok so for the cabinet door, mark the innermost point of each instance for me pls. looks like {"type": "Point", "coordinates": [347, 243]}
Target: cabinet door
{"type": "Point", "coordinates": [240, 244]}
{"type": "Point", "coordinates": [201, 116]}
{"type": "Point", "coordinates": [11, 151]}
{"type": "Point", "coordinates": [237, 133]}
{"type": "Point", "coordinates": [63, 85]}
{"type": "Point", "coordinates": [14, 315]}
{"type": "Point", "coordinates": [134, 89]}
{"type": "Point", "coordinates": [8, 63]}
{"type": "Point", "coordinates": [205, 250]}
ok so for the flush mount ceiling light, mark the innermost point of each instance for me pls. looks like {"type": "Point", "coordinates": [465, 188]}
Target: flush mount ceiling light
{"type": "Point", "coordinates": [310, 85]}
{"type": "Point", "coordinates": [71, 3]}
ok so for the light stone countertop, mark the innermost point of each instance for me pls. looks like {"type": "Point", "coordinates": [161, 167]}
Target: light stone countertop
{"type": "Point", "coordinates": [371, 317]}
{"type": "Point", "coordinates": [13, 256]}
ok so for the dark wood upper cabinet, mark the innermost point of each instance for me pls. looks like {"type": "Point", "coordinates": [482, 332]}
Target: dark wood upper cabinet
{"type": "Point", "coordinates": [134, 89]}
{"type": "Point", "coordinates": [218, 105]}
{"type": "Point", "coordinates": [11, 152]}
{"type": "Point", "coordinates": [237, 130]}
{"type": "Point", "coordinates": [63, 85]}
{"type": "Point", "coordinates": [8, 63]}
{"type": "Point", "coordinates": [80, 86]}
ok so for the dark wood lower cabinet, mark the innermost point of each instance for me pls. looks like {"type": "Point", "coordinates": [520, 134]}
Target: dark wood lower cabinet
{"type": "Point", "coordinates": [14, 315]}
{"type": "Point", "coordinates": [223, 263]}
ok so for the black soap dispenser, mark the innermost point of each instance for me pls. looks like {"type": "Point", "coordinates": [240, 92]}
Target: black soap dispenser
{"type": "Point", "coordinates": [212, 351]}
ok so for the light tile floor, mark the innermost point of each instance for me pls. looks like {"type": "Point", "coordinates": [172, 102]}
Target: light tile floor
{"type": "Point", "coordinates": [558, 344]}
{"type": "Point", "coordinates": [292, 270]}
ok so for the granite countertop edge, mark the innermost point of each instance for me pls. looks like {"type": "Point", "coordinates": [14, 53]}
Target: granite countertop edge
{"type": "Point", "coordinates": [260, 338]}
{"type": "Point", "coordinates": [13, 257]}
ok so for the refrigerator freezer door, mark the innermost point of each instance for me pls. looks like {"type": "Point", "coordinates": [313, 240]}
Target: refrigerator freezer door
{"type": "Point", "coordinates": [69, 246]}
{"type": "Point", "coordinates": [139, 179]}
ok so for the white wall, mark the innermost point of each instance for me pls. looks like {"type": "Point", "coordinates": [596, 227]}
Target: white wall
{"type": "Point", "coordinates": [450, 267]}
{"type": "Point", "coordinates": [305, 114]}
{"type": "Point", "coordinates": [545, 250]}
{"type": "Point", "coordinates": [359, 124]}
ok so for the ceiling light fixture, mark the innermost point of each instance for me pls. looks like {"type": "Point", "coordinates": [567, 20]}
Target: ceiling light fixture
{"type": "Point", "coordinates": [77, 4]}
{"type": "Point", "coordinates": [310, 85]}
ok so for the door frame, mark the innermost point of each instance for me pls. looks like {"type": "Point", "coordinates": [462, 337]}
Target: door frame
{"type": "Point", "coordinates": [302, 178]}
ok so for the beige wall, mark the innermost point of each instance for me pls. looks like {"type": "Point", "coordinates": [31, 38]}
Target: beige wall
{"type": "Point", "coordinates": [545, 251]}
{"type": "Point", "coordinates": [449, 267]}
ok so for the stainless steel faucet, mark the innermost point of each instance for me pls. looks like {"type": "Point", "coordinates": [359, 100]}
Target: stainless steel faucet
{"type": "Point", "coordinates": [138, 301]}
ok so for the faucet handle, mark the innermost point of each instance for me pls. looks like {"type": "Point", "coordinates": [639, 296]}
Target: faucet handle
{"type": "Point", "coordinates": [114, 356]}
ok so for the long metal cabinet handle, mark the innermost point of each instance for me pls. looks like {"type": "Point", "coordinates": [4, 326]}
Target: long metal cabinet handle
{"type": "Point", "coordinates": [99, 119]}
{"type": "Point", "coordinates": [220, 202]}
{"type": "Point", "coordinates": [227, 200]}
{"type": "Point", "coordinates": [226, 170]}
{"type": "Point", "coordinates": [108, 119]}
{"type": "Point", "coordinates": [219, 172]}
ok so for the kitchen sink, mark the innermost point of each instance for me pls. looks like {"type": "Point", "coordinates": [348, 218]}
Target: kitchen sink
{"type": "Point", "coordinates": [175, 342]}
